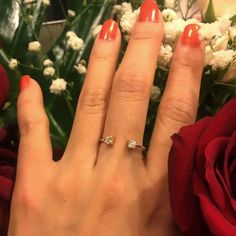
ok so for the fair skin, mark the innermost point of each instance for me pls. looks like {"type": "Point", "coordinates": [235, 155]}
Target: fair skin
{"type": "Point", "coordinates": [96, 189]}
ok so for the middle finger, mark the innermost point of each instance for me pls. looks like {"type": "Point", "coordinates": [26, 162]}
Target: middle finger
{"type": "Point", "coordinates": [133, 81]}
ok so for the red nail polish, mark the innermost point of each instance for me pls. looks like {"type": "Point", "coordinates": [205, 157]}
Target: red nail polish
{"type": "Point", "coordinates": [24, 82]}
{"type": "Point", "coordinates": [109, 30]}
{"type": "Point", "coordinates": [190, 35]}
{"type": "Point", "coordinates": [149, 11]}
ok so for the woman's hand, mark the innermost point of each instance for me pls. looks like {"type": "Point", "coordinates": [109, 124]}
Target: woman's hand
{"type": "Point", "coordinates": [99, 189]}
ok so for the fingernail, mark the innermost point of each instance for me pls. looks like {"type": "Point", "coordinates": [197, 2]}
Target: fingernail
{"type": "Point", "coordinates": [24, 82]}
{"type": "Point", "coordinates": [149, 11]}
{"type": "Point", "coordinates": [190, 35]}
{"type": "Point", "coordinates": [109, 30]}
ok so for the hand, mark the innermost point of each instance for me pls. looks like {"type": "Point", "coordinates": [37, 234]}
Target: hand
{"type": "Point", "coordinates": [99, 189]}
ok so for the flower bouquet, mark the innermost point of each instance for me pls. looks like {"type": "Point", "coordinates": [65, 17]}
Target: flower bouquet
{"type": "Point", "coordinates": [61, 70]}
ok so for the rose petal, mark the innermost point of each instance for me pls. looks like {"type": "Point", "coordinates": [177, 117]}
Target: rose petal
{"type": "Point", "coordinates": [223, 124]}
{"type": "Point", "coordinates": [220, 194]}
{"type": "Point", "coordinates": [4, 217]}
{"type": "Point", "coordinates": [217, 223]}
{"type": "Point", "coordinates": [6, 188]}
{"type": "Point", "coordinates": [181, 160]}
{"type": "Point", "coordinates": [4, 86]}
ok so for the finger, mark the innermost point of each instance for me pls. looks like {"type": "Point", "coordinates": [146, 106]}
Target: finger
{"type": "Point", "coordinates": [179, 104]}
{"type": "Point", "coordinates": [133, 80]}
{"type": "Point", "coordinates": [35, 152]}
{"type": "Point", "coordinates": [91, 109]}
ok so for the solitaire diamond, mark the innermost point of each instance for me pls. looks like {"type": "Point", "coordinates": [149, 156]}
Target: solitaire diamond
{"type": "Point", "coordinates": [109, 140]}
{"type": "Point", "coordinates": [132, 144]}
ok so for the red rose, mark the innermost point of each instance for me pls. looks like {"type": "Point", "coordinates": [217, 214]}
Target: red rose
{"type": "Point", "coordinates": [202, 175]}
{"type": "Point", "coordinates": [7, 176]}
{"type": "Point", "coordinates": [4, 86]}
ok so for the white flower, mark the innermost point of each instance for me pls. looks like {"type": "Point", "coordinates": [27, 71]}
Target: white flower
{"type": "Point", "coordinates": [49, 71]}
{"type": "Point", "coordinates": [231, 73]}
{"type": "Point", "coordinates": [96, 30]}
{"type": "Point", "coordinates": [165, 56]}
{"type": "Point", "coordinates": [222, 59]}
{"type": "Point", "coordinates": [71, 13]}
{"type": "Point", "coordinates": [216, 29]}
{"type": "Point", "coordinates": [46, 2]}
{"type": "Point", "coordinates": [13, 63]}
{"type": "Point", "coordinates": [73, 41]}
{"type": "Point", "coordinates": [47, 62]}
{"type": "Point", "coordinates": [172, 30]}
{"type": "Point", "coordinates": [169, 14]}
{"type": "Point", "coordinates": [34, 46]}
{"type": "Point", "coordinates": [170, 4]}
{"type": "Point", "coordinates": [208, 54]}
{"type": "Point", "coordinates": [58, 86]}
{"type": "Point", "coordinates": [70, 34]}
{"type": "Point", "coordinates": [28, 1]}
{"type": "Point", "coordinates": [155, 93]}
{"type": "Point", "coordinates": [81, 69]}
{"type": "Point", "coordinates": [128, 20]}
{"type": "Point", "coordinates": [121, 9]}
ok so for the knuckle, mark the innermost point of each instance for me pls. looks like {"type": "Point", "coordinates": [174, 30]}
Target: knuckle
{"type": "Point", "coordinates": [132, 86]}
{"type": "Point", "coordinates": [93, 100]}
{"type": "Point", "coordinates": [186, 63]}
{"type": "Point", "coordinates": [112, 196]}
{"type": "Point", "coordinates": [103, 55]}
{"type": "Point", "coordinates": [147, 34]}
{"type": "Point", "coordinates": [177, 111]}
{"type": "Point", "coordinates": [32, 122]}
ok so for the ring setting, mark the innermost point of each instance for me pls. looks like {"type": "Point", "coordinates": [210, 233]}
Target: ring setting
{"type": "Point", "coordinates": [109, 140]}
{"type": "Point", "coordinates": [132, 144]}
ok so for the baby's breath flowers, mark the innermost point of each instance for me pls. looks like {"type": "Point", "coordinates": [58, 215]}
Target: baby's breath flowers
{"type": "Point", "coordinates": [222, 59]}
{"type": "Point", "coordinates": [34, 46]}
{"type": "Point", "coordinates": [73, 41]}
{"type": "Point", "coordinates": [169, 14]}
{"type": "Point", "coordinates": [13, 63]}
{"type": "Point", "coordinates": [170, 4]}
{"type": "Point", "coordinates": [71, 13]}
{"type": "Point", "coordinates": [46, 2]}
{"type": "Point", "coordinates": [96, 30]}
{"type": "Point", "coordinates": [165, 56]}
{"type": "Point", "coordinates": [58, 86]}
{"type": "Point", "coordinates": [47, 62]}
{"type": "Point", "coordinates": [49, 71]}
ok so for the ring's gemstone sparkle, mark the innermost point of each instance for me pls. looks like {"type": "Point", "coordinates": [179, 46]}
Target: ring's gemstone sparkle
{"type": "Point", "coordinates": [109, 140]}
{"type": "Point", "coordinates": [132, 144]}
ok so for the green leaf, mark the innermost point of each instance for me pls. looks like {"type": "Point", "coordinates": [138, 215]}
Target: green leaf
{"type": "Point", "coordinates": [210, 13]}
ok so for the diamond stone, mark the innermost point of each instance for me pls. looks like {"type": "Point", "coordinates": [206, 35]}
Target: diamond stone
{"type": "Point", "coordinates": [109, 140]}
{"type": "Point", "coordinates": [132, 144]}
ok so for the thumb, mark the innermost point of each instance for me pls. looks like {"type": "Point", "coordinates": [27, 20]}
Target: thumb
{"type": "Point", "coordinates": [35, 149]}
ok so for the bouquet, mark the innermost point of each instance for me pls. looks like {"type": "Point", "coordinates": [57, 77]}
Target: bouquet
{"type": "Point", "coordinates": [61, 69]}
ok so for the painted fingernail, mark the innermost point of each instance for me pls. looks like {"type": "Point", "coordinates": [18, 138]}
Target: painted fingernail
{"type": "Point", "coordinates": [149, 11]}
{"type": "Point", "coordinates": [109, 30]}
{"type": "Point", "coordinates": [24, 82]}
{"type": "Point", "coordinates": [190, 35]}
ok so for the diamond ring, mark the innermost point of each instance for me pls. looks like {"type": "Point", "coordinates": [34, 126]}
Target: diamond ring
{"type": "Point", "coordinates": [109, 140]}
{"type": "Point", "coordinates": [132, 144]}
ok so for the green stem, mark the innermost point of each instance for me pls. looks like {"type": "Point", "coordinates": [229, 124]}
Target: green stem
{"type": "Point", "coordinates": [70, 107]}
{"type": "Point", "coordinates": [58, 129]}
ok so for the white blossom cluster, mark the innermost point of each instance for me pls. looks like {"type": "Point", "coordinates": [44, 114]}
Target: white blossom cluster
{"type": "Point", "coordinates": [34, 46]}
{"type": "Point", "coordinates": [217, 35]}
{"type": "Point", "coordinates": [73, 41]}
{"type": "Point", "coordinates": [49, 70]}
{"type": "Point", "coordinates": [81, 67]}
{"type": "Point", "coordinates": [58, 86]}
{"type": "Point", "coordinates": [13, 64]}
